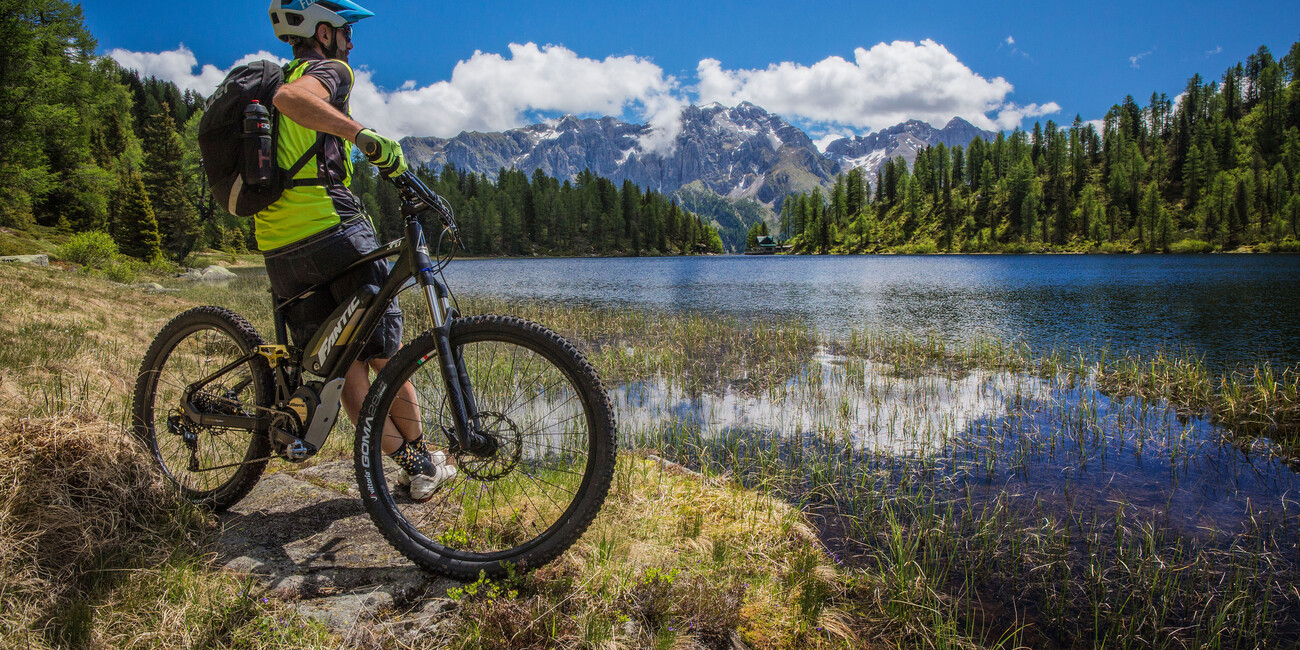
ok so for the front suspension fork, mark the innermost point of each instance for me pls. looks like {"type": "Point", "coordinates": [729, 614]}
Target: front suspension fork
{"type": "Point", "coordinates": [460, 394]}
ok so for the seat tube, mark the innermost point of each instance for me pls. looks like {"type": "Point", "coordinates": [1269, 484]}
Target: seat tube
{"type": "Point", "coordinates": [281, 326]}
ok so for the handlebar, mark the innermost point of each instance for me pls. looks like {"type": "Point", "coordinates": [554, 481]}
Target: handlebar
{"type": "Point", "coordinates": [417, 198]}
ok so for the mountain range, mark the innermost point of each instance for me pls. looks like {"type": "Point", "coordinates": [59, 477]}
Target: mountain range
{"type": "Point", "coordinates": [743, 154]}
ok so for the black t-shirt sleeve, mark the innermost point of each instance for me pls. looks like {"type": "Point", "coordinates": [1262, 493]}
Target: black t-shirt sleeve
{"type": "Point", "coordinates": [335, 76]}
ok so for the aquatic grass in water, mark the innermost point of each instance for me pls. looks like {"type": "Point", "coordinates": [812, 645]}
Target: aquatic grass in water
{"type": "Point", "coordinates": [978, 494]}
{"type": "Point", "coordinates": [1030, 505]}
{"type": "Point", "coordinates": [1255, 400]}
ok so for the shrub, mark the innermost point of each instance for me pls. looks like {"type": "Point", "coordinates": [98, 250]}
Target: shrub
{"type": "Point", "coordinates": [124, 269]}
{"type": "Point", "coordinates": [1287, 245]}
{"type": "Point", "coordinates": [163, 265]}
{"type": "Point", "coordinates": [1020, 248]}
{"type": "Point", "coordinates": [89, 248]}
{"type": "Point", "coordinates": [1114, 247]}
{"type": "Point", "coordinates": [1191, 246]}
{"type": "Point", "coordinates": [923, 247]}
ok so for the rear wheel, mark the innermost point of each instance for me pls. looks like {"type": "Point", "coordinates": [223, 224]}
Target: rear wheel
{"type": "Point", "coordinates": [212, 466]}
{"type": "Point", "coordinates": [552, 429]}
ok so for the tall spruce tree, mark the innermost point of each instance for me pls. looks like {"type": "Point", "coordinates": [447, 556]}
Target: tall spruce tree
{"type": "Point", "coordinates": [135, 227]}
{"type": "Point", "coordinates": [164, 180]}
{"type": "Point", "coordinates": [62, 131]}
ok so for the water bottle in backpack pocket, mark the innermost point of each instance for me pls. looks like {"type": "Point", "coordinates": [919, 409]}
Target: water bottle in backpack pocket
{"type": "Point", "coordinates": [259, 151]}
{"type": "Point", "coordinates": [238, 141]}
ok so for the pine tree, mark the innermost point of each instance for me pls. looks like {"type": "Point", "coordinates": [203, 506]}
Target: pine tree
{"type": "Point", "coordinates": [164, 180]}
{"type": "Point", "coordinates": [63, 129]}
{"type": "Point", "coordinates": [136, 229]}
{"type": "Point", "coordinates": [1150, 217]}
{"type": "Point", "coordinates": [1293, 215]}
{"type": "Point", "coordinates": [856, 196]}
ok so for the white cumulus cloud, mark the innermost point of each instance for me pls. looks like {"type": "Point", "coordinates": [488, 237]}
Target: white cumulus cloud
{"type": "Point", "coordinates": [882, 86]}
{"type": "Point", "coordinates": [491, 92]}
{"type": "Point", "coordinates": [487, 92]}
{"type": "Point", "coordinates": [177, 66]}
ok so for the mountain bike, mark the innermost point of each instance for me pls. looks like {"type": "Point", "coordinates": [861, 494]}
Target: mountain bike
{"type": "Point", "coordinates": [520, 412]}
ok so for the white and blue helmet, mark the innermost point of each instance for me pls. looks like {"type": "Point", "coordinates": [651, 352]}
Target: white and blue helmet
{"type": "Point", "coordinates": [300, 17]}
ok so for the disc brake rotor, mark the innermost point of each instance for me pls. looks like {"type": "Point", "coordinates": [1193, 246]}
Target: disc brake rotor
{"type": "Point", "coordinates": [510, 448]}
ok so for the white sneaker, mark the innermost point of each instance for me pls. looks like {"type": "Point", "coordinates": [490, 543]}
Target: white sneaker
{"type": "Point", "coordinates": [424, 486]}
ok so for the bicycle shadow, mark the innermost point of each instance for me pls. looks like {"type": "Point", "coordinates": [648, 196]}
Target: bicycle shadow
{"type": "Point", "coordinates": [307, 537]}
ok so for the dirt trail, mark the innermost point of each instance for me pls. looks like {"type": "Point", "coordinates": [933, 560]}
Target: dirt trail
{"type": "Point", "coordinates": [307, 536]}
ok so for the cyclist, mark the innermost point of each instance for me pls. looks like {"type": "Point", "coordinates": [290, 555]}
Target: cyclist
{"type": "Point", "coordinates": [318, 227]}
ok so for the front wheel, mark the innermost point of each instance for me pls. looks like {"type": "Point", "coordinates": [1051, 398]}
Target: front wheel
{"type": "Point", "coordinates": [544, 409]}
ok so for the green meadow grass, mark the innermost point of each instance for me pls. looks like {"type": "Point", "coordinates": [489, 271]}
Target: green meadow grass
{"type": "Point", "coordinates": [796, 534]}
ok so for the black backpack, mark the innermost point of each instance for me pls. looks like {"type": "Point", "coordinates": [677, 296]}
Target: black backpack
{"type": "Point", "coordinates": [227, 150]}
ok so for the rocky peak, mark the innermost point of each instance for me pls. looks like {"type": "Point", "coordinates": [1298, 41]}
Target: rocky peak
{"type": "Point", "coordinates": [737, 152]}
{"type": "Point", "coordinates": [907, 139]}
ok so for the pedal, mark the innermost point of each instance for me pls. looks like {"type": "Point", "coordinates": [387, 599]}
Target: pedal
{"type": "Point", "coordinates": [297, 451]}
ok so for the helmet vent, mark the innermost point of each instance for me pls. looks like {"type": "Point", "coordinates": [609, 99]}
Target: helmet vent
{"type": "Point", "coordinates": [275, 19]}
{"type": "Point", "coordinates": [293, 19]}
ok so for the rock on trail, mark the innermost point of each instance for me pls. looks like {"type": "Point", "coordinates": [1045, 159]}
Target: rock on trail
{"type": "Point", "coordinates": [38, 260]}
{"type": "Point", "coordinates": [307, 537]}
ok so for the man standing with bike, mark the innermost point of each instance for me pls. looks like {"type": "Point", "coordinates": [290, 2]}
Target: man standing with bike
{"type": "Point", "coordinates": [318, 226]}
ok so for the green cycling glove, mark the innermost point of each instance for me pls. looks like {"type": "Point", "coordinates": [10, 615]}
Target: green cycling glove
{"type": "Point", "coordinates": [383, 152]}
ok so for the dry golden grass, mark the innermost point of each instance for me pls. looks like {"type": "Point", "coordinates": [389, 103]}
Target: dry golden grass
{"type": "Point", "coordinates": [95, 551]}
{"type": "Point", "coordinates": [78, 494]}
{"type": "Point", "coordinates": [675, 560]}
{"type": "Point", "coordinates": [74, 341]}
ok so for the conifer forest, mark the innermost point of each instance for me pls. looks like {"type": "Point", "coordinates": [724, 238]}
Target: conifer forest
{"type": "Point", "coordinates": [88, 146]}
{"type": "Point", "coordinates": [1215, 168]}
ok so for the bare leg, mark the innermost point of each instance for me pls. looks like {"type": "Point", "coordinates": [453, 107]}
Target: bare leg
{"type": "Point", "coordinates": [403, 417]}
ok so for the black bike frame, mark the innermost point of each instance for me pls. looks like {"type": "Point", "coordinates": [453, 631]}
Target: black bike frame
{"type": "Point", "coordinates": [413, 261]}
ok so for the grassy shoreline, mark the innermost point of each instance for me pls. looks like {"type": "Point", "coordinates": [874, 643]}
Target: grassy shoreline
{"type": "Point", "coordinates": [813, 538]}
{"type": "Point", "coordinates": [653, 570]}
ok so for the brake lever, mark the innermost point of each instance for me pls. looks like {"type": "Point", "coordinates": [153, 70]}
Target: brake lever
{"type": "Point", "coordinates": [420, 198]}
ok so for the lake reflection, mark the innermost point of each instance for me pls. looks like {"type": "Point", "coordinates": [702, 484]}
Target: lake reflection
{"type": "Point", "coordinates": [1233, 309]}
{"type": "Point", "coordinates": [1057, 444]}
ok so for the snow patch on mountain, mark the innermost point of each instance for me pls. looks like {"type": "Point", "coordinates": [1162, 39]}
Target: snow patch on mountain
{"type": "Point", "coordinates": [736, 152]}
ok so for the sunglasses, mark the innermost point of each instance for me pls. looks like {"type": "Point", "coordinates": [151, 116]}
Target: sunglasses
{"type": "Point", "coordinates": [346, 30]}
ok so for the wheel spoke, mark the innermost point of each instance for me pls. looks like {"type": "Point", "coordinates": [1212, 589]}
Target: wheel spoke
{"type": "Point", "coordinates": [544, 423]}
{"type": "Point", "coordinates": [190, 348]}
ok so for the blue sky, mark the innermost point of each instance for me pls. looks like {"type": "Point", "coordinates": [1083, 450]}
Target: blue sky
{"type": "Point", "coordinates": [830, 67]}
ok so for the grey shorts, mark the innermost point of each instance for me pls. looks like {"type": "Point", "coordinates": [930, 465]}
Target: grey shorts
{"type": "Point", "coordinates": [298, 267]}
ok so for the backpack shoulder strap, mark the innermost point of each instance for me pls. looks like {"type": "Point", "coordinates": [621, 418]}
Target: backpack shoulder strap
{"type": "Point", "coordinates": [317, 148]}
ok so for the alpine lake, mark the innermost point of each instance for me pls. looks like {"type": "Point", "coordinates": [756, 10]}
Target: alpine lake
{"type": "Point", "coordinates": [1015, 441]}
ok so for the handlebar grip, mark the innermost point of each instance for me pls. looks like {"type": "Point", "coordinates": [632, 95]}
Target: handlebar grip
{"type": "Point", "coordinates": [414, 191]}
